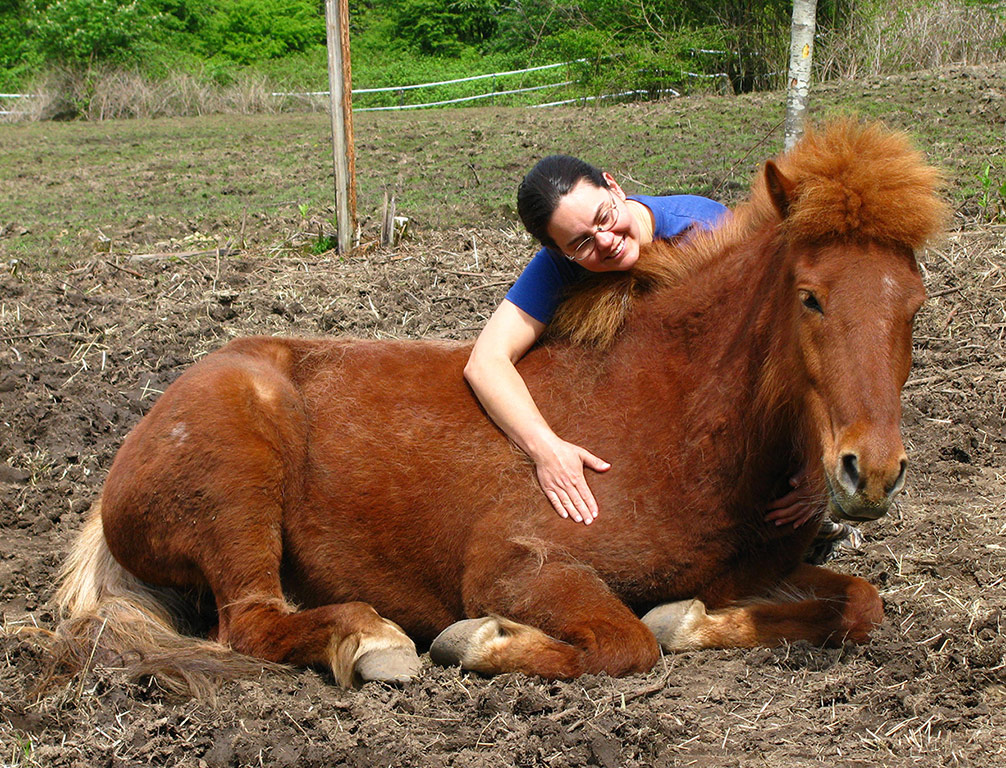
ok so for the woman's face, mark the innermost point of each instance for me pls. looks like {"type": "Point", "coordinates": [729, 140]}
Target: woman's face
{"type": "Point", "coordinates": [575, 222]}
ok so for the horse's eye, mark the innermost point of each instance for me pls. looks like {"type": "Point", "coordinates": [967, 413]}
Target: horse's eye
{"type": "Point", "coordinates": [809, 300]}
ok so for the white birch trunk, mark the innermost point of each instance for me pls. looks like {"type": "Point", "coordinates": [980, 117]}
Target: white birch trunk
{"type": "Point", "coordinates": [801, 55]}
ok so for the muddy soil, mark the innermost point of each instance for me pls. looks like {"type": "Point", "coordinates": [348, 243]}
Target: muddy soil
{"type": "Point", "coordinates": [86, 351]}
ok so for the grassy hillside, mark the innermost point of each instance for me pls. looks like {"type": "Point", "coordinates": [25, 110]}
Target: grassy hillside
{"type": "Point", "coordinates": [74, 191]}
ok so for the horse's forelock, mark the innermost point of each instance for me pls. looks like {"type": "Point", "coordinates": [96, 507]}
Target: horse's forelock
{"type": "Point", "coordinates": [860, 180]}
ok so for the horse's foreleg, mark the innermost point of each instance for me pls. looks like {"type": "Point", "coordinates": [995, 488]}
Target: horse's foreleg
{"type": "Point", "coordinates": [562, 621]}
{"type": "Point", "coordinates": [493, 645]}
{"type": "Point", "coordinates": [813, 604]}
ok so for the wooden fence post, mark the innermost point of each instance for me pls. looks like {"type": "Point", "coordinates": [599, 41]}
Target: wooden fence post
{"type": "Point", "coordinates": [340, 86]}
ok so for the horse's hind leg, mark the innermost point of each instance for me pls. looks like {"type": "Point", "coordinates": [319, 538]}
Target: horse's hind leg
{"type": "Point", "coordinates": [197, 497]}
{"type": "Point", "coordinates": [241, 563]}
{"type": "Point", "coordinates": [255, 619]}
{"type": "Point", "coordinates": [350, 638]}
{"type": "Point", "coordinates": [813, 604]}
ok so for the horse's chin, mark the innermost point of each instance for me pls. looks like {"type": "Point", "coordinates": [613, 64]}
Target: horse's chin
{"type": "Point", "coordinates": [855, 509]}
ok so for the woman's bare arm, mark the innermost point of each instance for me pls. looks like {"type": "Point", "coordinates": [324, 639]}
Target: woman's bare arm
{"type": "Point", "coordinates": [492, 374]}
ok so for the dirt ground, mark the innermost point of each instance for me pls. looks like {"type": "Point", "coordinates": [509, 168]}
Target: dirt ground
{"type": "Point", "coordinates": [85, 350]}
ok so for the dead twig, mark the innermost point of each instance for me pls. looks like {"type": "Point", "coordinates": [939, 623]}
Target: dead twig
{"type": "Point", "coordinates": [124, 269]}
{"type": "Point", "coordinates": [217, 252]}
{"type": "Point", "coordinates": [944, 292]}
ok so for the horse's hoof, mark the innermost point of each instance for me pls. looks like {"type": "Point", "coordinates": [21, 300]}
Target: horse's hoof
{"type": "Point", "coordinates": [389, 665]}
{"type": "Point", "coordinates": [455, 644]}
{"type": "Point", "coordinates": [674, 624]}
{"type": "Point", "coordinates": [832, 540]}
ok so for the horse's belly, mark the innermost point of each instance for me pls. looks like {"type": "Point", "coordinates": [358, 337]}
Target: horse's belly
{"type": "Point", "coordinates": [334, 554]}
{"type": "Point", "coordinates": [391, 533]}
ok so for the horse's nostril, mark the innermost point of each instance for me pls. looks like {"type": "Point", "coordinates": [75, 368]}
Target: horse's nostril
{"type": "Point", "coordinates": [849, 475]}
{"type": "Point", "coordinates": [899, 481]}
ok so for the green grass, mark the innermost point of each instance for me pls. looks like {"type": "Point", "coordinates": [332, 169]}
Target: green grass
{"type": "Point", "coordinates": [255, 180]}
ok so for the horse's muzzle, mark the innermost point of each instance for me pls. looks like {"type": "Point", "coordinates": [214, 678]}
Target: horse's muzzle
{"type": "Point", "coordinates": [853, 509]}
{"type": "Point", "coordinates": [860, 494]}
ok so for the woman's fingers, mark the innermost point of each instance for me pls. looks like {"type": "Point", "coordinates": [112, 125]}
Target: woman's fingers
{"type": "Point", "coordinates": [564, 504]}
{"type": "Point", "coordinates": [785, 502]}
{"type": "Point", "coordinates": [593, 462]}
{"type": "Point", "coordinates": [804, 512]}
{"type": "Point", "coordinates": [795, 507]}
{"type": "Point", "coordinates": [569, 502]}
{"type": "Point", "coordinates": [797, 514]}
{"type": "Point", "coordinates": [556, 502]}
{"type": "Point", "coordinates": [562, 479]}
{"type": "Point", "coordinates": [584, 500]}
{"type": "Point", "coordinates": [786, 516]}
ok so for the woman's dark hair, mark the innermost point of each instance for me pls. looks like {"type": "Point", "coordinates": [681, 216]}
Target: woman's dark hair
{"type": "Point", "coordinates": [539, 193]}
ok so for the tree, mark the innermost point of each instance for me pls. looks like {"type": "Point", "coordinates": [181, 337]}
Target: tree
{"type": "Point", "coordinates": [252, 30]}
{"type": "Point", "coordinates": [434, 27]}
{"type": "Point", "coordinates": [801, 55]}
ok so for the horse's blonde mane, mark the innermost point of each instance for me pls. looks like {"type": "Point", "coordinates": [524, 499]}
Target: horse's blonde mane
{"type": "Point", "coordinates": [850, 180]}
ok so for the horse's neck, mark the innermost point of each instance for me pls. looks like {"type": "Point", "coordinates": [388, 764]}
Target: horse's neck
{"type": "Point", "coordinates": [728, 336]}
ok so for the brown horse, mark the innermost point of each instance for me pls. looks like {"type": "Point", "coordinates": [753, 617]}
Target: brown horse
{"type": "Point", "coordinates": [301, 482]}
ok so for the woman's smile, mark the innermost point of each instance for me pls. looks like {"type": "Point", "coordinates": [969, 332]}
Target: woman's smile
{"type": "Point", "coordinates": [618, 251]}
{"type": "Point", "coordinates": [575, 220]}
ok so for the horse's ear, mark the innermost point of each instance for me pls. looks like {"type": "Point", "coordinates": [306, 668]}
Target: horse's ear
{"type": "Point", "coordinates": [780, 189]}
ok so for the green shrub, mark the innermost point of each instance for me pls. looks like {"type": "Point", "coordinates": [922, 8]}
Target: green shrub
{"type": "Point", "coordinates": [253, 30]}
{"type": "Point", "coordinates": [433, 27]}
{"type": "Point", "coordinates": [81, 32]}
{"type": "Point", "coordinates": [18, 56]}
{"type": "Point", "coordinates": [661, 38]}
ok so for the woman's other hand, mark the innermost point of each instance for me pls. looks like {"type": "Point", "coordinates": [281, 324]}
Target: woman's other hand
{"type": "Point", "coordinates": [796, 507]}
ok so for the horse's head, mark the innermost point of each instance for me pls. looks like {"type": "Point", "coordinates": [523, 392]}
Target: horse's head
{"type": "Point", "coordinates": [855, 302]}
{"type": "Point", "coordinates": [850, 229]}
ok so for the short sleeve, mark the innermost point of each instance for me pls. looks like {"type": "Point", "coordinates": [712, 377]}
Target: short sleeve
{"type": "Point", "coordinates": [673, 214]}
{"type": "Point", "coordinates": [542, 284]}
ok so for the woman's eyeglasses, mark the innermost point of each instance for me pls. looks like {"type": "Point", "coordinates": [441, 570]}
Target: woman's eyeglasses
{"type": "Point", "coordinates": [605, 221]}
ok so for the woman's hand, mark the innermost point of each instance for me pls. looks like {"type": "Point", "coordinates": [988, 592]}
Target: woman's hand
{"type": "Point", "coordinates": [796, 507]}
{"type": "Point", "coordinates": [560, 474]}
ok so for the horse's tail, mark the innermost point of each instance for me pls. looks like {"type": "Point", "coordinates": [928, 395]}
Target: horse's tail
{"type": "Point", "coordinates": [109, 616]}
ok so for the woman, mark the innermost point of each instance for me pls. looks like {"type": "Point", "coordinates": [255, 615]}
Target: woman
{"type": "Point", "coordinates": [586, 223]}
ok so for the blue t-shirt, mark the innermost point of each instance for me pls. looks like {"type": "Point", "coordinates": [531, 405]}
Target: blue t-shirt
{"type": "Point", "coordinates": [540, 287]}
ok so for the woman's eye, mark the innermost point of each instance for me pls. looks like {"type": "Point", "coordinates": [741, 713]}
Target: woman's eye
{"type": "Point", "coordinates": [809, 300]}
